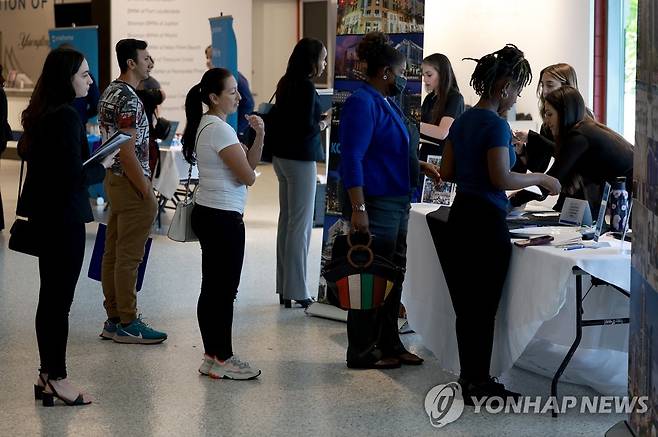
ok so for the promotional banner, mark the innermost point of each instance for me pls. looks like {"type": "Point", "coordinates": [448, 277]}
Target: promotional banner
{"type": "Point", "coordinates": [643, 344]}
{"type": "Point", "coordinates": [24, 39]}
{"type": "Point", "coordinates": [84, 39]}
{"type": "Point", "coordinates": [177, 35]}
{"type": "Point", "coordinates": [403, 22]}
{"type": "Point", "coordinates": [225, 51]}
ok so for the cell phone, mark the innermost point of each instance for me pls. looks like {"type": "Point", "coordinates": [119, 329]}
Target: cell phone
{"type": "Point", "coordinates": [535, 241]}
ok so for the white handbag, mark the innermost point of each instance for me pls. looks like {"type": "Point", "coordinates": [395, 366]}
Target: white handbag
{"type": "Point", "coordinates": [180, 228]}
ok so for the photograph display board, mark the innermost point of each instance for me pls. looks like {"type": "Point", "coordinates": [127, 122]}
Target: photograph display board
{"type": "Point", "coordinates": [403, 22]}
{"type": "Point", "coordinates": [643, 344]}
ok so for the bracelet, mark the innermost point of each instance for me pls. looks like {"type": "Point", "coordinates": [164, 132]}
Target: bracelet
{"type": "Point", "coordinates": [359, 207]}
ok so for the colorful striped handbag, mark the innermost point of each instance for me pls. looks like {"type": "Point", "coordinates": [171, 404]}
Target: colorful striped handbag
{"type": "Point", "coordinates": [359, 276]}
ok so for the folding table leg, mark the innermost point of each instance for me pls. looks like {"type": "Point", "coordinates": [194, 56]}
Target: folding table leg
{"type": "Point", "coordinates": [576, 342]}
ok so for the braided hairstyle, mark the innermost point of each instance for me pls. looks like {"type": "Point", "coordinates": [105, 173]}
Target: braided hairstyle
{"type": "Point", "coordinates": [507, 62]}
{"type": "Point", "coordinates": [376, 51]}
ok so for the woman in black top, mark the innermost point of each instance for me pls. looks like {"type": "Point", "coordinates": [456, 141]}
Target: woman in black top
{"type": "Point", "coordinates": [535, 149]}
{"type": "Point", "coordinates": [299, 121]}
{"type": "Point", "coordinates": [588, 153]}
{"type": "Point", "coordinates": [54, 144]}
{"type": "Point", "coordinates": [441, 106]}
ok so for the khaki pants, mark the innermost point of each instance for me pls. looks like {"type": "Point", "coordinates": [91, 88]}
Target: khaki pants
{"type": "Point", "coordinates": [128, 228]}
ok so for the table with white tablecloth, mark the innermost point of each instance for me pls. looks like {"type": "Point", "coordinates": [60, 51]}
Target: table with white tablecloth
{"type": "Point", "coordinates": [172, 170]}
{"type": "Point", "coordinates": [535, 323]}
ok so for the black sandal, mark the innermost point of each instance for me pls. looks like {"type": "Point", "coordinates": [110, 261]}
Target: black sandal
{"type": "Point", "coordinates": [49, 398]}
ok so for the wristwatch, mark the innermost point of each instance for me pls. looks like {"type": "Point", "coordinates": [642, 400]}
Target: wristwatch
{"type": "Point", "coordinates": [359, 207]}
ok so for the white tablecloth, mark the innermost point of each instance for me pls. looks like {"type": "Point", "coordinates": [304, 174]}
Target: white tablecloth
{"type": "Point", "coordinates": [173, 169]}
{"type": "Point", "coordinates": [536, 313]}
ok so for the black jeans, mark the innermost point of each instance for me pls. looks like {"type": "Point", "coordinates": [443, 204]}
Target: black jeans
{"type": "Point", "coordinates": [474, 249]}
{"type": "Point", "coordinates": [222, 238]}
{"type": "Point", "coordinates": [60, 262]}
{"type": "Point", "coordinates": [373, 334]}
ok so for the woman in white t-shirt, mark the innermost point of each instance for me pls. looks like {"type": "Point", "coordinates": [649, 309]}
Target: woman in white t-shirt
{"type": "Point", "coordinates": [226, 168]}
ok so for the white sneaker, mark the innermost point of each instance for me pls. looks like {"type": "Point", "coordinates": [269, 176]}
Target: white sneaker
{"type": "Point", "coordinates": [206, 365]}
{"type": "Point", "coordinates": [233, 368]}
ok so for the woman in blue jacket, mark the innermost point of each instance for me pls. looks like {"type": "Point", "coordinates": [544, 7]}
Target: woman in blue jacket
{"type": "Point", "coordinates": [379, 169]}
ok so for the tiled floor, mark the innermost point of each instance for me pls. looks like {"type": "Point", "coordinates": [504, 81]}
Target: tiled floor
{"type": "Point", "coordinates": [305, 388]}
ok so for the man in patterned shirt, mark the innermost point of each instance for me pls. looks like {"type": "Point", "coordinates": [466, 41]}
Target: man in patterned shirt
{"type": "Point", "coordinates": [132, 203]}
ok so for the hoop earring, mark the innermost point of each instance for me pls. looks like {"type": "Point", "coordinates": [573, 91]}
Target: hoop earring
{"type": "Point", "coordinates": [385, 77]}
{"type": "Point", "coordinates": [504, 94]}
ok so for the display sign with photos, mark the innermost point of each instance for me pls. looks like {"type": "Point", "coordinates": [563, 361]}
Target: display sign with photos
{"type": "Point", "coordinates": [403, 22]}
{"type": "Point", "coordinates": [438, 193]}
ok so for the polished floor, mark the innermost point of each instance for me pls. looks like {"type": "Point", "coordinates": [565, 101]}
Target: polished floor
{"type": "Point", "coordinates": [305, 388]}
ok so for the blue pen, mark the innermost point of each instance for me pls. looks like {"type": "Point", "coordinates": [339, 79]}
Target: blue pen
{"type": "Point", "coordinates": [575, 246]}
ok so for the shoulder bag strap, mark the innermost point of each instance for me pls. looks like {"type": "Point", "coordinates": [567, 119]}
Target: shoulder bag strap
{"type": "Point", "coordinates": [189, 172]}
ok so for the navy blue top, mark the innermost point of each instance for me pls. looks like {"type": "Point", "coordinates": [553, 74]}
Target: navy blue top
{"type": "Point", "coordinates": [472, 135]}
{"type": "Point", "coordinates": [374, 145]}
{"type": "Point", "coordinates": [246, 104]}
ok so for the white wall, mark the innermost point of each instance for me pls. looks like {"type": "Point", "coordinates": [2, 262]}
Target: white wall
{"type": "Point", "coordinates": [178, 32]}
{"type": "Point", "coordinates": [274, 36]}
{"type": "Point", "coordinates": [548, 32]}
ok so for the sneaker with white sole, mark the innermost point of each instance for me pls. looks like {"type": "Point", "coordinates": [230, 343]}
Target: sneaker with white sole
{"type": "Point", "coordinates": [138, 332]}
{"type": "Point", "coordinates": [206, 365]}
{"type": "Point", "coordinates": [233, 368]}
{"type": "Point", "coordinates": [109, 330]}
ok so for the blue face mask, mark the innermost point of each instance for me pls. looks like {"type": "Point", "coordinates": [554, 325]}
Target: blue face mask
{"type": "Point", "coordinates": [398, 86]}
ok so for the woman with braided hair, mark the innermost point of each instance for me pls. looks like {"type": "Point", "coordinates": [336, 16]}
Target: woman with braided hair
{"type": "Point", "coordinates": [478, 156]}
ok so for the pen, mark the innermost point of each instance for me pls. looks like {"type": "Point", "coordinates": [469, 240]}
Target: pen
{"type": "Point", "coordinates": [575, 246]}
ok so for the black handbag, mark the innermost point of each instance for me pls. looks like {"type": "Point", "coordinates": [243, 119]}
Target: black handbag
{"type": "Point", "coordinates": [361, 274]}
{"type": "Point", "coordinates": [23, 236]}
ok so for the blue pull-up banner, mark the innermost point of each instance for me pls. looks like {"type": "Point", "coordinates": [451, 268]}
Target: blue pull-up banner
{"type": "Point", "coordinates": [225, 51]}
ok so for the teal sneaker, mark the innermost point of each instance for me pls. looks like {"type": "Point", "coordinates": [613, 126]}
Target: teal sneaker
{"type": "Point", "coordinates": [109, 330]}
{"type": "Point", "coordinates": [138, 332]}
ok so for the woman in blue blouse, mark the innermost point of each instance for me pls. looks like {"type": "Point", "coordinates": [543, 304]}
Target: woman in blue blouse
{"type": "Point", "coordinates": [475, 250]}
{"type": "Point", "coordinates": [379, 169]}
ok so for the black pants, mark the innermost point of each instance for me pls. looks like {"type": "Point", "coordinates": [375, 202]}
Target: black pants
{"type": "Point", "coordinates": [222, 238]}
{"type": "Point", "coordinates": [60, 262]}
{"type": "Point", "coordinates": [373, 334]}
{"type": "Point", "coordinates": [474, 249]}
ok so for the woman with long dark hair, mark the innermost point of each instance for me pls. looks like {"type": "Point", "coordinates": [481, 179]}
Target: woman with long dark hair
{"type": "Point", "coordinates": [588, 153]}
{"type": "Point", "coordinates": [296, 149]}
{"type": "Point", "coordinates": [478, 156]}
{"type": "Point", "coordinates": [226, 169]}
{"type": "Point", "coordinates": [54, 144]}
{"type": "Point", "coordinates": [535, 149]}
{"type": "Point", "coordinates": [441, 106]}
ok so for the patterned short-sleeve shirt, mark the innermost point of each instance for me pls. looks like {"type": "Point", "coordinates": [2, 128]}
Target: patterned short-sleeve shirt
{"type": "Point", "coordinates": [120, 108]}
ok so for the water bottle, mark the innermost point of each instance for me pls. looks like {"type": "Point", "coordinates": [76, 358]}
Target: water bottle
{"type": "Point", "coordinates": [618, 205]}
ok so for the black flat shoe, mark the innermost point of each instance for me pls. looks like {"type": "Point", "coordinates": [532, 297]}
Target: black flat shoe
{"type": "Point", "coordinates": [384, 363]}
{"type": "Point", "coordinates": [410, 359]}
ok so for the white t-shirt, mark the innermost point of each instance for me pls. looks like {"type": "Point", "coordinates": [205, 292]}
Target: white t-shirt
{"type": "Point", "coordinates": [218, 186]}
